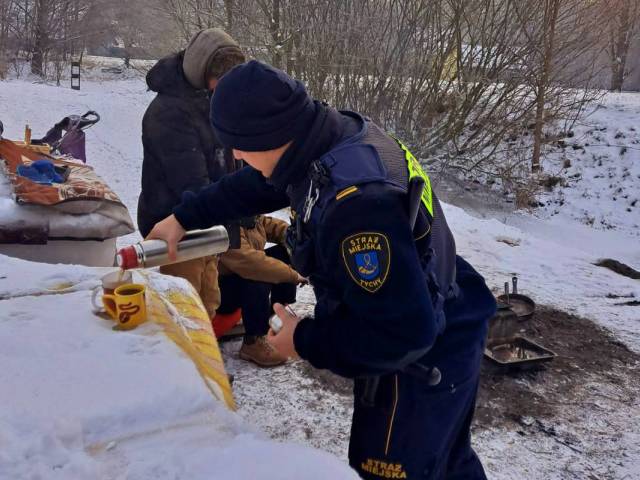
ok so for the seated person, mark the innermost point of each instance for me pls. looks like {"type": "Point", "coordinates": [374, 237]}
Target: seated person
{"type": "Point", "coordinates": [253, 279]}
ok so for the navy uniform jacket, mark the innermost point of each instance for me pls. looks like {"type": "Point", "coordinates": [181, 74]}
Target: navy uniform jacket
{"type": "Point", "coordinates": [357, 331]}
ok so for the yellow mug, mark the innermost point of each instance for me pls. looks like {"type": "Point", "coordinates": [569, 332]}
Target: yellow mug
{"type": "Point", "coordinates": [126, 306]}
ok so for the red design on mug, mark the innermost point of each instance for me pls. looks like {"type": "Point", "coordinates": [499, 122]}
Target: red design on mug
{"type": "Point", "coordinates": [129, 309]}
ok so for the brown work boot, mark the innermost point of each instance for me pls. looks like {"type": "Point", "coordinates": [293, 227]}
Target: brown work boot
{"type": "Point", "coordinates": [261, 353]}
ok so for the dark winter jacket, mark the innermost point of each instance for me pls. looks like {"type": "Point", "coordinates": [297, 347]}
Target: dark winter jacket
{"type": "Point", "coordinates": [181, 152]}
{"type": "Point", "coordinates": [365, 323]}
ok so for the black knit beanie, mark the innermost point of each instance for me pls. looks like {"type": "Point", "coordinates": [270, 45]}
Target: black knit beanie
{"type": "Point", "coordinates": [256, 108]}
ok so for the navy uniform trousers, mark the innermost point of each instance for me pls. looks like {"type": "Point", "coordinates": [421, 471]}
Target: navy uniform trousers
{"type": "Point", "coordinates": [417, 431]}
{"type": "Point", "coordinates": [255, 298]}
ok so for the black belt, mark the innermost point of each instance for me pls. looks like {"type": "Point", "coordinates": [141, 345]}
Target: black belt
{"type": "Point", "coordinates": [431, 375]}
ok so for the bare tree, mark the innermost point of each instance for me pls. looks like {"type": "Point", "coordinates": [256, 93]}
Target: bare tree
{"type": "Point", "coordinates": [41, 36]}
{"type": "Point", "coordinates": [191, 16]}
{"type": "Point", "coordinates": [6, 10]}
{"type": "Point", "coordinates": [453, 77]}
{"type": "Point", "coordinates": [40, 28]}
{"type": "Point", "coordinates": [457, 79]}
{"type": "Point", "coordinates": [551, 9]}
{"type": "Point", "coordinates": [623, 29]}
{"type": "Point", "coordinates": [6, 14]}
{"type": "Point", "coordinates": [563, 40]}
{"type": "Point", "coordinates": [48, 33]}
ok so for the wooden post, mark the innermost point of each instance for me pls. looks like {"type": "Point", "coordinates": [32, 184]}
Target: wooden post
{"type": "Point", "coordinates": [75, 75]}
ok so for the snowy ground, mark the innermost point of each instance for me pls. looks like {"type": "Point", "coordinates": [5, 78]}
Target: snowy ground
{"type": "Point", "coordinates": [551, 250]}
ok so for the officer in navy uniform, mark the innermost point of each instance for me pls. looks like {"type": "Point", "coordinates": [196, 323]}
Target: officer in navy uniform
{"type": "Point", "coordinates": [397, 310]}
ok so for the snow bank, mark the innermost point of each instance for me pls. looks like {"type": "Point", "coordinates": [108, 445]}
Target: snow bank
{"type": "Point", "coordinates": [80, 400]}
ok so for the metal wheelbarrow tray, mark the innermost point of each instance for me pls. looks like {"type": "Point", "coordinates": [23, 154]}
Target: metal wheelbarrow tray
{"type": "Point", "coordinates": [517, 353]}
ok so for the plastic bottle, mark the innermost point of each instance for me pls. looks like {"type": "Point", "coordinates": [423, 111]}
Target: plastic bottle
{"type": "Point", "coordinates": [154, 253]}
{"type": "Point", "coordinates": [275, 322]}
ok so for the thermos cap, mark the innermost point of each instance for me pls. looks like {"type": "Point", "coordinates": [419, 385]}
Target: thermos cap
{"type": "Point", "coordinates": [127, 258]}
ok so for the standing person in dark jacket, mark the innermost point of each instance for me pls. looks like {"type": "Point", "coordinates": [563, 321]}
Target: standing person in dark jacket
{"type": "Point", "coordinates": [396, 309]}
{"type": "Point", "coordinates": [181, 152]}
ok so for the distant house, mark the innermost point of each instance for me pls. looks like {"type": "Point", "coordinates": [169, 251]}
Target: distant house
{"type": "Point", "coordinates": [115, 48]}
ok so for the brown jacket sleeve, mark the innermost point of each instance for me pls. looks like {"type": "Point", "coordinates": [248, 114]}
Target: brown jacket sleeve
{"type": "Point", "coordinates": [253, 264]}
{"type": "Point", "coordinates": [275, 229]}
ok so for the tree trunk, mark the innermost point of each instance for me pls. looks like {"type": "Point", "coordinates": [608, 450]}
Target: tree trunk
{"type": "Point", "coordinates": [228, 6]}
{"type": "Point", "coordinates": [276, 35]}
{"type": "Point", "coordinates": [40, 37]}
{"type": "Point", "coordinates": [620, 48]}
{"type": "Point", "coordinates": [4, 25]}
{"type": "Point", "coordinates": [551, 10]}
{"type": "Point", "coordinates": [617, 76]}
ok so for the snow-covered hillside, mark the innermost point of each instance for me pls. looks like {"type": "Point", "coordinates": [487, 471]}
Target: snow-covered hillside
{"type": "Point", "coordinates": [552, 250]}
{"type": "Point", "coordinates": [599, 168]}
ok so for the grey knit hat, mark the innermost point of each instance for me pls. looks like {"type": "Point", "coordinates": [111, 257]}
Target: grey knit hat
{"type": "Point", "coordinates": [201, 49]}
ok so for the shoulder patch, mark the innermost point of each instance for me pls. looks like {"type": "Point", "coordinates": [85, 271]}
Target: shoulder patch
{"type": "Point", "coordinates": [346, 192]}
{"type": "Point", "coordinates": [367, 258]}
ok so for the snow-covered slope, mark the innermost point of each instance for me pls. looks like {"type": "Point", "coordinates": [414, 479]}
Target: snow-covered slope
{"type": "Point", "coordinates": [600, 167]}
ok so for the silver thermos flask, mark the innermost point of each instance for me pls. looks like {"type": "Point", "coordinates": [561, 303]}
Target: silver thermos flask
{"type": "Point", "coordinates": [154, 253]}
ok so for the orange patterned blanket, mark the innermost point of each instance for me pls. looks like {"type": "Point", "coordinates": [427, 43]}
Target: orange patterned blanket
{"type": "Point", "coordinates": [81, 184]}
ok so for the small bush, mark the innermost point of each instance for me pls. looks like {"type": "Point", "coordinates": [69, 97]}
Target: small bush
{"type": "Point", "coordinates": [551, 181]}
{"type": "Point", "coordinates": [526, 195]}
